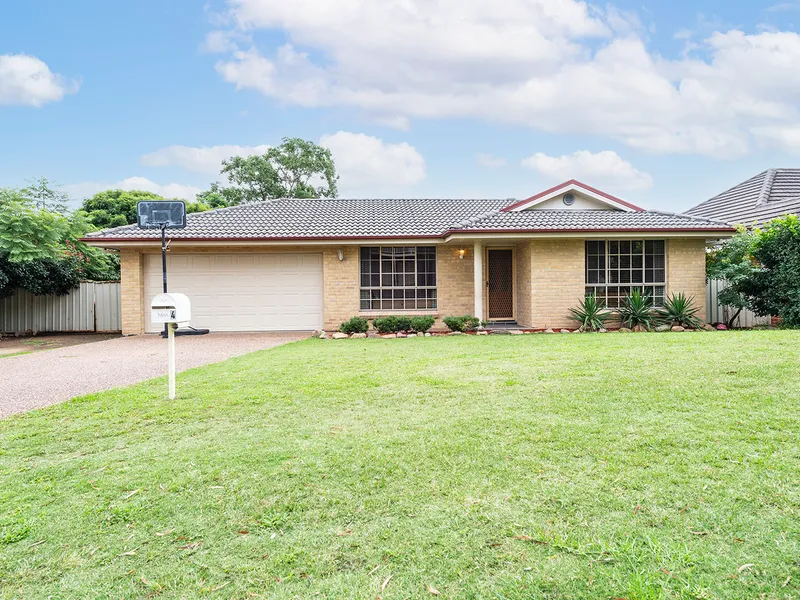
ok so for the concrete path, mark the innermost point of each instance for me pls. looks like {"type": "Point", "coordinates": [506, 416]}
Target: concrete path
{"type": "Point", "coordinates": [42, 378]}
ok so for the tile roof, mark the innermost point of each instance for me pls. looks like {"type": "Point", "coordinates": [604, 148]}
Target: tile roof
{"type": "Point", "coordinates": [768, 195]}
{"type": "Point", "coordinates": [293, 219]}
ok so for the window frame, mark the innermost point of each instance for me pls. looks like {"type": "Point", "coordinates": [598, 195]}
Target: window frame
{"type": "Point", "coordinates": [394, 283]}
{"type": "Point", "coordinates": [603, 269]}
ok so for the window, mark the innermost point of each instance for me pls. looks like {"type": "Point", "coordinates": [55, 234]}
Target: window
{"type": "Point", "coordinates": [615, 268]}
{"type": "Point", "coordinates": [398, 278]}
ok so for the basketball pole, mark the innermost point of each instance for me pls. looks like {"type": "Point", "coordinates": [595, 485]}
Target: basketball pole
{"type": "Point", "coordinates": [164, 265]}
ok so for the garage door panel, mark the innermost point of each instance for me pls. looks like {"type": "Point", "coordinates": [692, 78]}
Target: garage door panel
{"type": "Point", "coordinates": [243, 292]}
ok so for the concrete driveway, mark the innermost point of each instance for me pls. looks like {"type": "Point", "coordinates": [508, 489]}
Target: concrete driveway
{"type": "Point", "coordinates": [42, 378]}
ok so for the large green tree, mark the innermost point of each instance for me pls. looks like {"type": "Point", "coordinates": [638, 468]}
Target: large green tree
{"type": "Point", "coordinates": [40, 249]}
{"type": "Point", "coordinates": [762, 267]}
{"type": "Point", "coordinates": [114, 208]}
{"type": "Point", "coordinates": [295, 169]}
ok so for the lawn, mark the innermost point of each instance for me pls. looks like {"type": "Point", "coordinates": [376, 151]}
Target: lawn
{"type": "Point", "coordinates": [585, 466]}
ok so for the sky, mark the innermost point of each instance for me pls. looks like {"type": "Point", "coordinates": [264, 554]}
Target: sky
{"type": "Point", "coordinates": [664, 104]}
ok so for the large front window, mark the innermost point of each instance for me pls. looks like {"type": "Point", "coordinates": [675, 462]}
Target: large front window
{"type": "Point", "coordinates": [398, 278]}
{"type": "Point", "coordinates": [615, 268]}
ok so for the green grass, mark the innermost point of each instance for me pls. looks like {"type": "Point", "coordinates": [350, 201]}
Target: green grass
{"type": "Point", "coordinates": [584, 466]}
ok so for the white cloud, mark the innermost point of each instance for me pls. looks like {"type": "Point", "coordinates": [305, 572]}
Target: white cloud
{"type": "Point", "coordinates": [490, 161]}
{"type": "Point", "coordinates": [27, 81]}
{"type": "Point", "coordinates": [207, 160]}
{"type": "Point", "coordinates": [367, 164]}
{"type": "Point", "coordinates": [604, 168]}
{"type": "Point", "coordinates": [558, 66]}
{"type": "Point", "coordinates": [170, 190]}
{"type": "Point", "coordinates": [222, 40]}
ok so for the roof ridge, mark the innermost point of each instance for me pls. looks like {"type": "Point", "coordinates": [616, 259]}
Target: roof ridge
{"type": "Point", "coordinates": [766, 188]}
{"type": "Point", "coordinates": [688, 216]}
{"type": "Point", "coordinates": [476, 219]}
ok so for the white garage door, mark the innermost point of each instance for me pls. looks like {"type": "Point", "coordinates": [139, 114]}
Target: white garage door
{"type": "Point", "coordinates": [242, 292]}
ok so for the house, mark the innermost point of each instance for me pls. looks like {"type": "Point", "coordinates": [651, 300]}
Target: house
{"type": "Point", "coordinates": [771, 194]}
{"type": "Point", "coordinates": [307, 264]}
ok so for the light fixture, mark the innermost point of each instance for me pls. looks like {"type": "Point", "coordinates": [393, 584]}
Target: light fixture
{"type": "Point", "coordinates": [341, 254]}
{"type": "Point", "coordinates": [462, 253]}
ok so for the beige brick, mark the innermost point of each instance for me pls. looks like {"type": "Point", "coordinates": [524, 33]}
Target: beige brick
{"type": "Point", "coordinates": [686, 270]}
{"type": "Point", "coordinates": [557, 281]}
{"type": "Point", "coordinates": [132, 292]}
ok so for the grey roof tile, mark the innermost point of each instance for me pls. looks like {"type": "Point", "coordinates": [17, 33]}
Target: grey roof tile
{"type": "Point", "coordinates": [337, 218]}
{"type": "Point", "coordinates": [768, 195]}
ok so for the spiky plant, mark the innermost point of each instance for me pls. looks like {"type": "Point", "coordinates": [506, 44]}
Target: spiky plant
{"type": "Point", "coordinates": [590, 313]}
{"type": "Point", "coordinates": [679, 309]}
{"type": "Point", "coordinates": [636, 310]}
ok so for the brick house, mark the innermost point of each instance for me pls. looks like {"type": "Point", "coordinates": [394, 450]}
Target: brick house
{"type": "Point", "coordinates": [308, 264]}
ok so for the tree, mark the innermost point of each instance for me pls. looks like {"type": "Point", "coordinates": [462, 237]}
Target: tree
{"type": "Point", "coordinates": [220, 197]}
{"type": "Point", "coordinates": [774, 288]}
{"type": "Point", "coordinates": [114, 208]}
{"type": "Point", "coordinates": [763, 269]}
{"type": "Point", "coordinates": [40, 251]}
{"type": "Point", "coordinates": [45, 194]}
{"type": "Point", "coordinates": [295, 169]}
{"type": "Point", "coordinates": [733, 262]}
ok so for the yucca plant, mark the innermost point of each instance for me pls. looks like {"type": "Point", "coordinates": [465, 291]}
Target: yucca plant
{"type": "Point", "coordinates": [591, 314]}
{"type": "Point", "coordinates": [679, 309]}
{"type": "Point", "coordinates": [636, 310]}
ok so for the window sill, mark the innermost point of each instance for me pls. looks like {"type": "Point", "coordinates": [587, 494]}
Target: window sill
{"type": "Point", "coordinates": [370, 314]}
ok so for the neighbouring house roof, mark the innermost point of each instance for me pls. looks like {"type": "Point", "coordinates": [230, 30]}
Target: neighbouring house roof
{"type": "Point", "coordinates": [771, 194]}
{"type": "Point", "coordinates": [294, 219]}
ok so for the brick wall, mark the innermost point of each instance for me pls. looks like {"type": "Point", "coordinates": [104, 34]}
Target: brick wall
{"type": "Point", "coordinates": [557, 281]}
{"type": "Point", "coordinates": [524, 294]}
{"type": "Point", "coordinates": [686, 270]}
{"type": "Point", "coordinates": [132, 290]}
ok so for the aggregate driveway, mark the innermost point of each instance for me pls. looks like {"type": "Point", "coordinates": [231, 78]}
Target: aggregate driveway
{"type": "Point", "coordinates": [42, 378]}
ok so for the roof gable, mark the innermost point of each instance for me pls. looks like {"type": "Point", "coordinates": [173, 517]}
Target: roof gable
{"type": "Point", "coordinates": [573, 186]}
{"type": "Point", "coordinates": [770, 194]}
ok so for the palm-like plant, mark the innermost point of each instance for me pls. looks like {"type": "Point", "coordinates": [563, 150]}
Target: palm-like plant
{"type": "Point", "coordinates": [591, 314]}
{"type": "Point", "coordinates": [679, 309]}
{"type": "Point", "coordinates": [636, 310]}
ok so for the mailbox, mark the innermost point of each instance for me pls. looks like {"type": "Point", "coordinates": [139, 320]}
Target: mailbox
{"type": "Point", "coordinates": [171, 308]}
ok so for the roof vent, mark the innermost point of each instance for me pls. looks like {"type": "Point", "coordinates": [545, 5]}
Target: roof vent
{"type": "Point", "coordinates": [569, 199]}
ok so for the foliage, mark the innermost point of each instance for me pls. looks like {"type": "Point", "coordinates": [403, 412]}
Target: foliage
{"type": "Point", "coordinates": [220, 197]}
{"type": "Point", "coordinates": [354, 325]}
{"type": "Point", "coordinates": [637, 310]}
{"type": "Point", "coordinates": [679, 309]}
{"type": "Point", "coordinates": [27, 232]}
{"type": "Point", "coordinates": [115, 208]}
{"type": "Point", "coordinates": [733, 262]}
{"type": "Point", "coordinates": [590, 314]}
{"type": "Point", "coordinates": [46, 195]}
{"type": "Point", "coordinates": [596, 462]}
{"type": "Point", "coordinates": [465, 323]}
{"type": "Point", "coordinates": [421, 324]}
{"type": "Point", "coordinates": [392, 324]}
{"type": "Point", "coordinates": [39, 248]}
{"type": "Point", "coordinates": [774, 287]}
{"type": "Point", "coordinates": [295, 169]}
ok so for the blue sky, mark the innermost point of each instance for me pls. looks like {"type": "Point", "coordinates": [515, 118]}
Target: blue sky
{"type": "Point", "coordinates": [664, 104]}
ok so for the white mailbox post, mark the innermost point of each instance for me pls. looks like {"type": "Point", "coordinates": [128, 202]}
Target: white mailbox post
{"type": "Point", "coordinates": [175, 311]}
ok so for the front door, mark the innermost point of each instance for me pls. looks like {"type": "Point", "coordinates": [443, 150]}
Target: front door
{"type": "Point", "coordinates": [500, 284]}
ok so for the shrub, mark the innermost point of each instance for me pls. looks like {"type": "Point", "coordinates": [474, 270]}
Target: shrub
{"type": "Point", "coordinates": [402, 324]}
{"type": "Point", "coordinates": [637, 310]}
{"type": "Point", "coordinates": [392, 324]}
{"type": "Point", "coordinates": [385, 324]}
{"type": "Point", "coordinates": [591, 314]}
{"type": "Point", "coordinates": [680, 310]}
{"type": "Point", "coordinates": [354, 325]}
{"type": "Point", "coordinates": [467, 323]}
{"type": "Point", "coordinates": [421, 324]}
